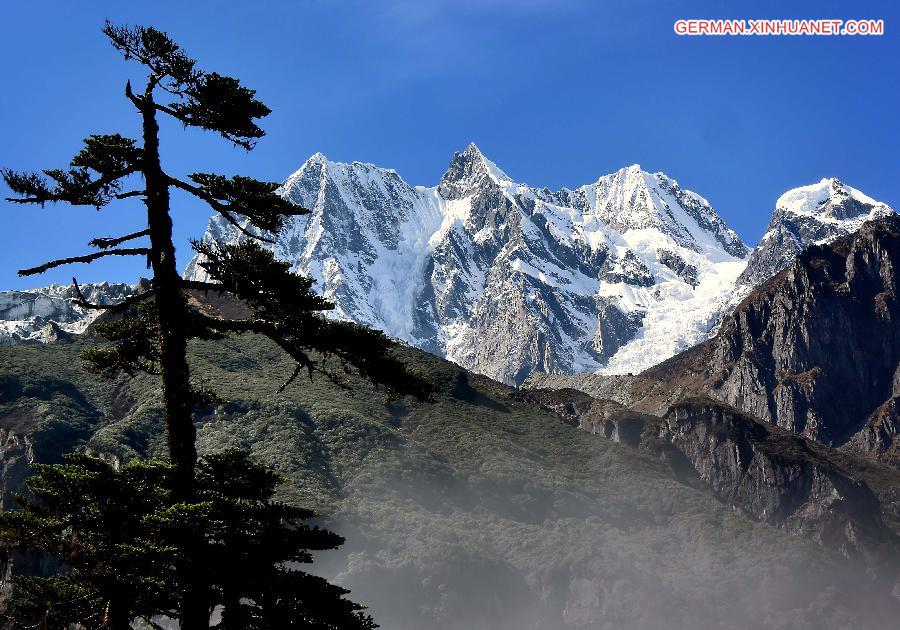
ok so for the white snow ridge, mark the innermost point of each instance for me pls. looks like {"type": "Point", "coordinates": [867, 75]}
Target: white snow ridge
{"type": "Point", "coordinates": [814, 214]}
{"type": "Point", "coordinates": [42, 315]}
{"type": "Point", "coordinates": [506, 279]}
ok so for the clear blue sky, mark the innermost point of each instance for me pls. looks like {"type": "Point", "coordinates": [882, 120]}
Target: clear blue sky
{"type": "Point", "coordinates": [557, 92]}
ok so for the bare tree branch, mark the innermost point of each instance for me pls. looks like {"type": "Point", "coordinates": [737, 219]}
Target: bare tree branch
{"type": "Point", "coordinates": [81, 300]}
{"type": "Point", "coordinates": [138, 102]}
{"type": "Point", "coordinates": [225, 210]}
{"type": "Point", "coordinates": [131, 193]}
{"type": "Point", "coordinates": [136, 251]}
{"type": "Point", "coordinates": [297, 369]}
{"type": "Point", "coordinates": [106, 243]}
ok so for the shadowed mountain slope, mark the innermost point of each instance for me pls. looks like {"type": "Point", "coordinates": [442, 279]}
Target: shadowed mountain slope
{"type": "Point", "coordinates": [481, 510]}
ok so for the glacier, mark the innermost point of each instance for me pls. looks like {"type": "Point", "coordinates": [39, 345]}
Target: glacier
{"type": "Point", "coordinates": [506, 279]}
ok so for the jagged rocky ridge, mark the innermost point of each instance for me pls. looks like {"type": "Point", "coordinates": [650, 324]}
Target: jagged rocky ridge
{"type": "Point", "coordinates": [771, 474]}
{"type": "Point", "coordinates": [43, 315]}
{"type": "Point", "coordinates": [506, 279]}
{"type": "Point", "coordinates": [814, 350]}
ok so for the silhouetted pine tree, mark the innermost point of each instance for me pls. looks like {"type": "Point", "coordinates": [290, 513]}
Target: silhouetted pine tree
{"type": "Point", "coordinates": [123, 535]}
{"type": "Point", "coordinates": [283, 306]}
{"type": "Point", "coordinates": [93, 518]}
{"type": "Point", "coordinates": [248, 551]}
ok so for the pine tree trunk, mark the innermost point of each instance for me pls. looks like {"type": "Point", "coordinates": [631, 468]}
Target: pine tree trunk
{"type": "Point", "coordinates": [172, 309]}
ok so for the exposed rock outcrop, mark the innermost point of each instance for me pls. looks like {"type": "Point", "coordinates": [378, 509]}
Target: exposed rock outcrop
{"type": "Point", "coordinates": [16, 454]}
{"type": "Point", "coordinates": [779, 478]}
{"type": "Point", "coordinates": [816, 349]}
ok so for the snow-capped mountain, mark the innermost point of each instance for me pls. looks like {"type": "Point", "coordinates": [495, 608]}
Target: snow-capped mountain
{"type": "Point", "coordinates": [38, 315]}
{"type": "Point", "coordinates": [506, 279]}
{"type": "Point", "coordinates": [819, 213]}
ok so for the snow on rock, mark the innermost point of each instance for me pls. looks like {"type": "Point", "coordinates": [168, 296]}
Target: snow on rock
{"type": "Point", "coordinates": [40, 315]}
{"type": "Point", "coordinates": [506, 279]}
{"type": "Point", "coordinates": [818, 213]}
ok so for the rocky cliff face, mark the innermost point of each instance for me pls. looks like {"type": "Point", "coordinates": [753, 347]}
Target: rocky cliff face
{"type": "Point", "coordinates": [779, 478]}
{"type": "Point", "coordinates": [43, 315]}
{"type": "Point", "coordinates": [878, 436]}
{"type": "Point", "coordinates": [16, 454]}
{"type": "Point", "coordinates": [816, 349]}
{"type": "Point", "coordinates": [772, 475]}
{"type": "Point", "coordinates": [506, 279]}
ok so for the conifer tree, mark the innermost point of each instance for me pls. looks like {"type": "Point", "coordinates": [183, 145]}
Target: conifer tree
{"type": "Point", "coordinates": [122, 534]}
{"type": "Point", "coordinates": [93, 518]}
{"type": "Point", "coordinates": [152, 335]}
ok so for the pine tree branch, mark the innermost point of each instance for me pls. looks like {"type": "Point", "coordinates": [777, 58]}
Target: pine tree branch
{"type": "Point", "coordinates": [171, 112]}
{"type": "Point", "coordinates": [138, 102]}
{"type": "Point", "coordinates": [187, 121]}
{"type": "Point", "coordinates": [106, 243]}
{"type": "Point", "coordinates": [233, 221]}
{"type": "Point", "coordinates": [218, 206]}
{"type": "Point", "coordinates": [267, 329]}
{"type": "Point", "coordinates": [81, 300]}
{"type": "Point", "coordinates": [136, 251]}
{"type": "Point", "coordinates": [274, 333]}
{"type": "Point", "coordinates": [237, 325]}
{"type": "Point", "coordinates": [88, 193]}
{"type": "Point", "coordinates": [131, 193]}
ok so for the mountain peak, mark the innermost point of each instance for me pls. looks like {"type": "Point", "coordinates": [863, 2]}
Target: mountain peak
{"type": "Point", "coordinates": [632, 199]}
{"type": "Point", "coordinates": [813, 214]}
{"type": "Point", "coordinates": [828, 198]}
{"type": "Point", "coordinates": [474, 154]}
{"type": "Point", "coordinates": [473, 150]}
{"type": "Point", "coordinates": [469, 170]}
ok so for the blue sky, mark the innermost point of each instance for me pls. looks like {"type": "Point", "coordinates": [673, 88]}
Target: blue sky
{"type": "Point", "coordinates": [557, 92]}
